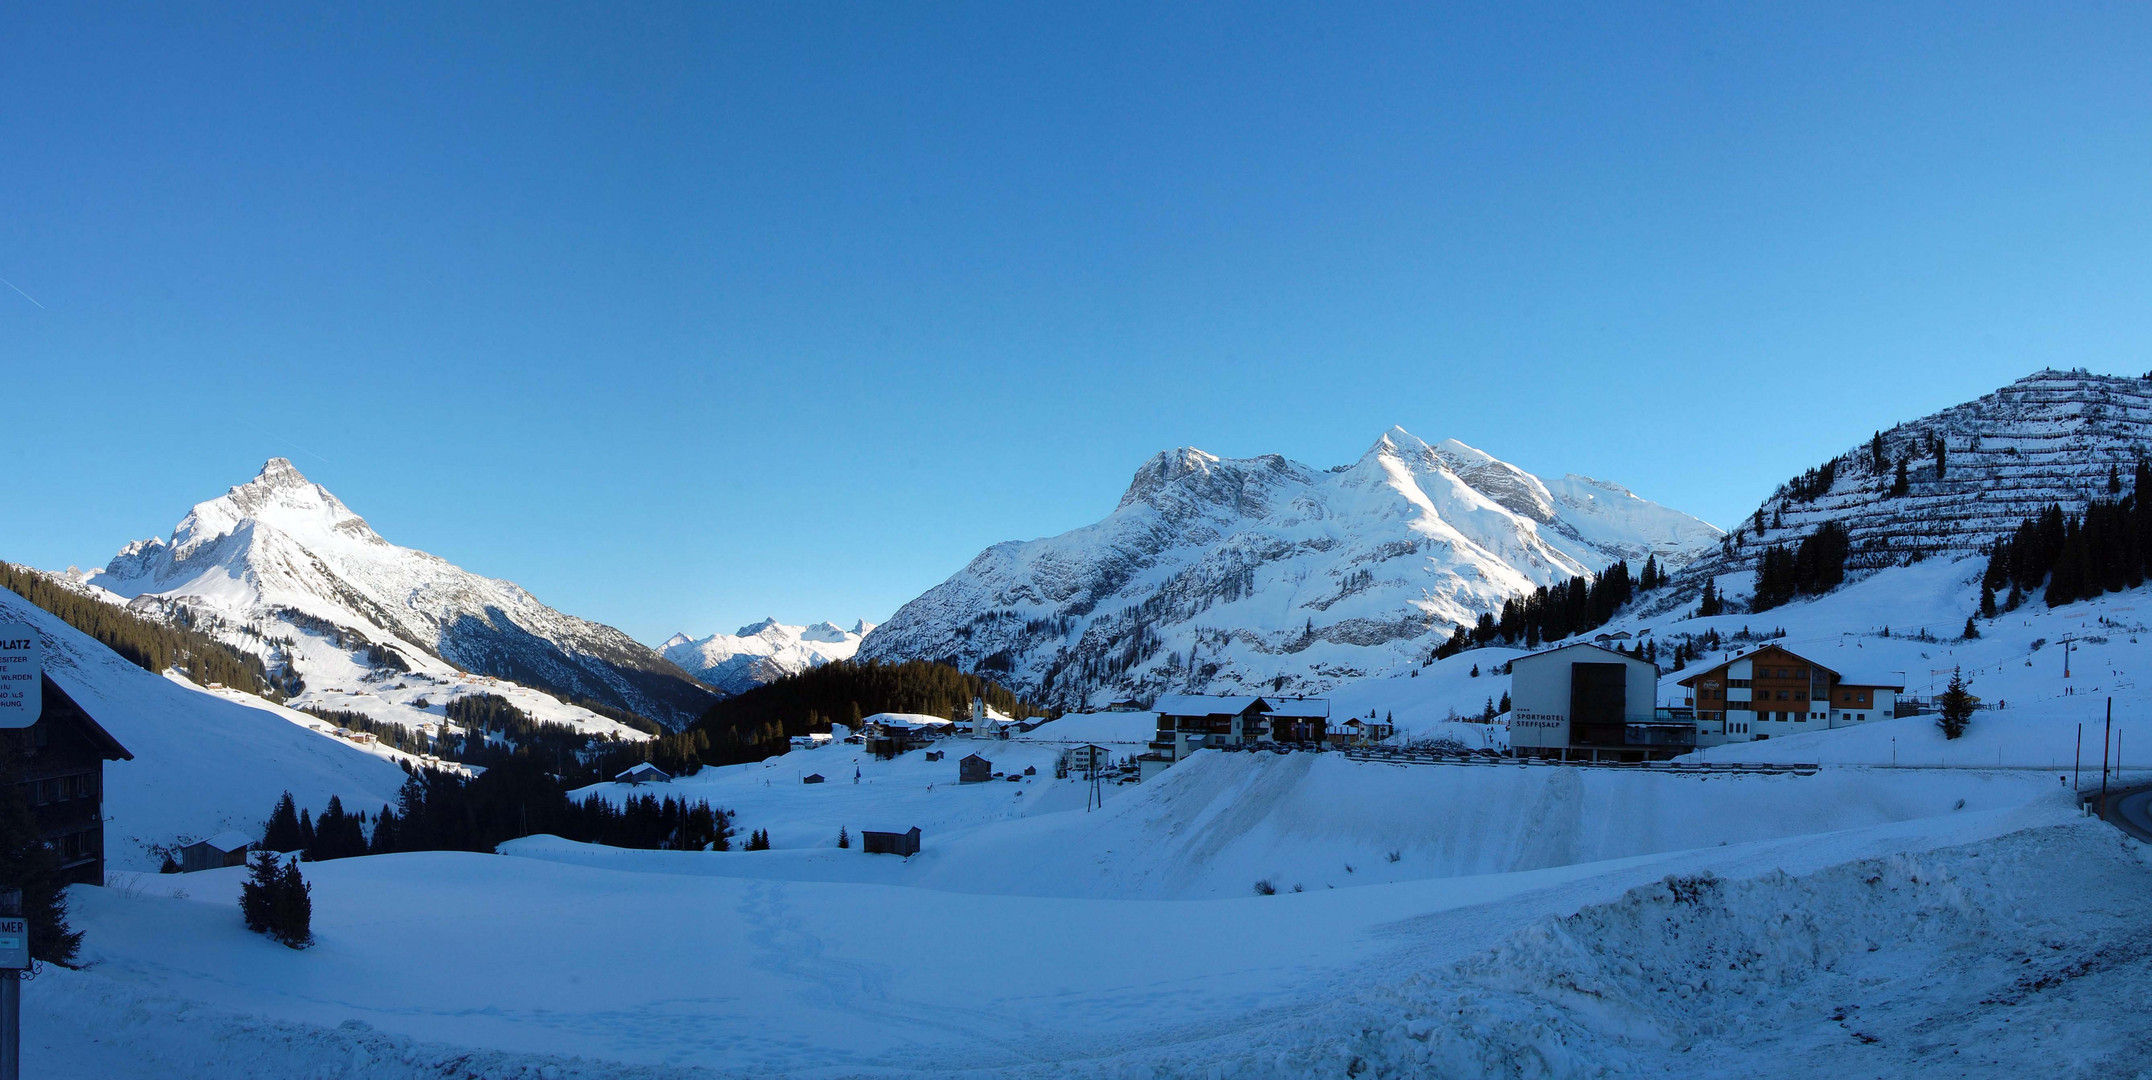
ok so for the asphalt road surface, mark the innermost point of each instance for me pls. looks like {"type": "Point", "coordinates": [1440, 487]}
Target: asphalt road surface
{"type": "Point", "coordinates": [2131, 811]}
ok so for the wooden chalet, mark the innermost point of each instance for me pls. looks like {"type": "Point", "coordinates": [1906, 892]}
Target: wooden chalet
{"type": "Point", "coordinates": [59, 765]}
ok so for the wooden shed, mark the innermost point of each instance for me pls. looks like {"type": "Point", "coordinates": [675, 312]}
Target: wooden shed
{"type": "Point", "coordinates": [974, 770]}
{"type": "Point", "coordinates": [812, 778]}
{"type": "Point", "coordinates": [890, 843]}
{"type": "Point", "coordinates": [224, 849]}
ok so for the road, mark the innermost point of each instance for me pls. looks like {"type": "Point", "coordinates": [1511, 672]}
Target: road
{"type": "Point", "coordinates": [2131, 811]}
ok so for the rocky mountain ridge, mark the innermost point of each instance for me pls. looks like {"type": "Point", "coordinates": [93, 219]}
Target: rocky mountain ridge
{"type": "Point", "coordinates": [282, 566]}
{"type": "Point", "coordinates": [1263, 573]}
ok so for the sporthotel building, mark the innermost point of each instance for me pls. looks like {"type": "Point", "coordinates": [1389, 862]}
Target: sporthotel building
{"type": "Point", "coordinates": [1773, 690]}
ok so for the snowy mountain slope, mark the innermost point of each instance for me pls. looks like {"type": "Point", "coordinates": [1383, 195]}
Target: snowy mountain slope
{"type": "Point", "coordinates": [2050, 437]}
{"type": "Point", "coordinates": [1218, 574]}
{"type": "Point", "coordinates": [204, 762]}
{"type": "Point", "coordinates": [762, 652]}
{"type": "Point", "coordinates": [280, 559]}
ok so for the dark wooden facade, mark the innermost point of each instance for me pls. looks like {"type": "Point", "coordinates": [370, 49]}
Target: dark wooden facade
{"type": "Point", "coordinates": [891, 843]}
{"type": "Point", "coordinates": [59, 765]}
{"type": "Point", "coordinates": [974, 770]}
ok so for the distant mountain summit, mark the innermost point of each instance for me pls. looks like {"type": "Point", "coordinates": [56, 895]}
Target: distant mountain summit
{"type": "Point", "coordinates": [1262, 573]}
{"type": "Point", "coordinates": [1971, 473]}
{"type": "Point", "coordinates": [763, 652]}
{"type": "Point", "coordinates": [280, 557]}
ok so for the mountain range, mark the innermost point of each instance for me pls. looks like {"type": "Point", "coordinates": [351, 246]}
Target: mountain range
{"type": "Point", "coordinates": [762, 652]}
{"type": "Point", "coordinates": [1224, 574]}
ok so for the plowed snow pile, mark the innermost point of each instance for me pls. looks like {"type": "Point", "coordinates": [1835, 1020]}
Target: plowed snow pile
{"type": "Point", "coordinates": [1961, 961]}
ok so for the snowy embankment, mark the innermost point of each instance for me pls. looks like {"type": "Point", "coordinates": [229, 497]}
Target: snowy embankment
{"type": "Point", "coordinates": [204, 762]}
{"type": "Point", "coordinates": [781, 977]}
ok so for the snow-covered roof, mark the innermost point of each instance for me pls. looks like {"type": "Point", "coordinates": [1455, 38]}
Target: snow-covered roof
{"type": "Point", "coordinates": [905, 720]}
{"type": "Point", "coordinates": [641, 768]}
{"type": "Point", "coordinates": [1307, 707]}
{"type": "Point", "coordinates": [1121, 727]}
{"type": "Point", "coordinates": [1203, 704]}
{"type": "Point", "coordinates": [230, 841]}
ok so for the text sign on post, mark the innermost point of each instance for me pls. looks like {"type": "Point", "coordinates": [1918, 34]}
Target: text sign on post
{"type": "Point", "coordinates": [21, 661]}
{"type": "Point", "coordinates": [14, 943]}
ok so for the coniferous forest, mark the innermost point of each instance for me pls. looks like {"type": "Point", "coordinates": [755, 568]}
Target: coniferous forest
{"type": "Point", "coordinates": [2107, 548]}
{"type": "Point", "coordinates": [148, 644]}
{"type": "Point", "coordinates": [1554, 612]}
{"type": "Point", "coordinates": [756, 724]}
{"type": "Point", "coordinates": [438, 810]}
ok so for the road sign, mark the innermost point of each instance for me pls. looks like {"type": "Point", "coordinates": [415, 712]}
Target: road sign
{"type": "Point", "coordinates": [21, 665]}
{"type": "Point", "coordinates": [14, 943]}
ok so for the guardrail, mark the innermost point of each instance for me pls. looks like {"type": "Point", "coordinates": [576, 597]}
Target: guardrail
{"type": "Point", "coordinates": [1407, 756]}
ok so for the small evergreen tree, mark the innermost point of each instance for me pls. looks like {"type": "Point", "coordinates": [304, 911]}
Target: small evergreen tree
{"type": "Point", "coordinates": [1987, 601]}
{"type": "Point", "coordinates": [1900, 484]}
{"type": "Point", "coordinates": [306, 831]}
{"type": "Point", "coordinates": [1474, 673]}
{"type": "Point", "coordinates": [1972, 628]}
{"type": "Point", "coordinates": [291, 915]}
{"type": "Point", "coordinates": [1711, 605]}
{"type": "Point", "coordinates": [1942, 458]}
{"type": "Point", "coordinates": [257, 896]}
{"type": "Point", "coordinates": [844, 837]}
{"type": "Point", "coordinates": [1957, 706]}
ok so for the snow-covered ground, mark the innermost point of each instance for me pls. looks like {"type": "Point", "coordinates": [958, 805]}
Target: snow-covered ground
{"type": "Point", "coordinates": [1954, 914]}
{"type": "Point", "coordinates": [824, 962]}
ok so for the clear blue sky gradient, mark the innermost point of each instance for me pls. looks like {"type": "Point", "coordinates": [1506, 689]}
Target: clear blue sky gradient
{"type": "Point", "coordinates": [682, 315]}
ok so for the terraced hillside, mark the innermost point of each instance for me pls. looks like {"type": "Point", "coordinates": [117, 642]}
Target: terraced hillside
{"type": "Point", "coordinates": [2051, 437]}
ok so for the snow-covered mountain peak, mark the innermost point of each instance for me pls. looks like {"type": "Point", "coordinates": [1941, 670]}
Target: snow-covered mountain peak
{"type": "Point", "coordinates": [281, 498]}
{"type": "Point", "coordinates": [280, 557]}
{"type": "Point", "coordinates": [1261, 572]}
{"type": "Point", "coordinates": [762, 651]}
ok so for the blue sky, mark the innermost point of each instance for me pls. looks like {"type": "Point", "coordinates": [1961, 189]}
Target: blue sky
{"type": "Point", "coordinates": [682, 315]}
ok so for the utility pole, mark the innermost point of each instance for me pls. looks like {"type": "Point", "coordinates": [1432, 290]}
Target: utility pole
{"type": "Point", "coordinates": [2077, 760]}
{"type": "Point", "coordinates": [2066, 656]}
{"type": "Point", "coordinates": [2104, 740]}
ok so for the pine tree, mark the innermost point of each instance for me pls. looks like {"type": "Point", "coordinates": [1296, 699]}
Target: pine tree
{"type": "Point", "coordinates": [306, 831]}
{"type": "Point", "coordinates": [1474, 673]}
{"type": "Point", "coordinates": [1957, 706]}
{"type": "Point", "coordinates": [282, 833]}
{"type": "Point", "coordinates": [1987, 601]}
{"type": "Point", "coordinates": [1972, 628]}
{"type": "Point", "coordinates": [844, 837]}
{"type": "Point", "coordinates": [2114, 479]}
{"type": "Point", "coordinates": [257, 895]}
{"type": "Point", "coordinates": [1942, 458]}
{"type": "Point", "coordinates": [1505, 701]}
{"type": "Point", "coordinates": [1878, 461]}
{"type": "Point", "coordinates": [1900, 484]}
{"type": "Point", "coordinates": [1711, 605]}
{"type": "Point", "coordinates": [291, 908]}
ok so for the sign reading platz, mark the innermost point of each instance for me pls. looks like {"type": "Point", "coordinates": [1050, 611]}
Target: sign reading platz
{"type": "Point", "coordinates": [21, 663]}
